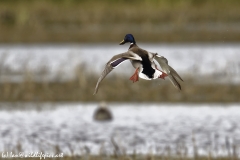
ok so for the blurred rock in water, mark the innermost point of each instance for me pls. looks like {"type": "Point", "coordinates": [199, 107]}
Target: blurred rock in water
{"type": "Point", "coordinates": [102, 113]}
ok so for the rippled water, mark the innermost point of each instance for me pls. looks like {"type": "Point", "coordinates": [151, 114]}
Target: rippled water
{"type": "Point", "coordinates": [197, 59]}
{"type": "Point", "coordinates": [135, 127]}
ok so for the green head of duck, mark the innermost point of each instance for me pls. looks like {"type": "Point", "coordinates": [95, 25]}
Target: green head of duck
{"type": "Point", "coordinates": [128, 38]}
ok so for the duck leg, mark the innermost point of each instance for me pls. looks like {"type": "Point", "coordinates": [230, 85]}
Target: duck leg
{"type": "Point", "coordinates": [163, 75]}
{"type": "Point", "coordinates": [134, 77]}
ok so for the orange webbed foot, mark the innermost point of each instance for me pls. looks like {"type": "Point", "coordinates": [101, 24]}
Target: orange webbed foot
{"type": "Point", "coordinates": [134, 77]}
{"type": "Point", "coordinates": [163, 75]}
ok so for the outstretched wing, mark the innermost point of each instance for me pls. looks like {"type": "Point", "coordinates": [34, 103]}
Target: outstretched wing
{"type": "Point", "coordinates": [106, 71]}
{"type": "Point", "coordinates": [174, 82]}
{"type": "Point", "coordinates": [172, 74]}
{"type": "Point", "coordinates": [113, 63]}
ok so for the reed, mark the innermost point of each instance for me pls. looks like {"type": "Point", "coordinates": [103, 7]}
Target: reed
{"type": "Point", "coordinates": [117, 152]}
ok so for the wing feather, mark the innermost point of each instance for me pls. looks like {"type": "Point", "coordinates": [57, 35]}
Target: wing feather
{"type": "Point", "coordinates": [113, 63]}
{"type": "Point", "coordinates": [106, 71]}
{"type": "Point", "coordinates": [172, 74]}
{"type": "Point", "coordinates": [174, 82]}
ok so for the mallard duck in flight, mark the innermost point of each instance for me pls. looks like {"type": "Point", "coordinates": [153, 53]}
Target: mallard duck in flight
{"type": "Point", "coordinates": [143, 62]}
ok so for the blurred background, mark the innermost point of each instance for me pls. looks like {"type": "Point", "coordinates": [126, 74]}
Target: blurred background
{"type": "Point", "coordinates": [52, 53]}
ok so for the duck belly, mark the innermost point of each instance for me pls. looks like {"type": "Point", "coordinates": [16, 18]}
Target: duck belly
{"type": "Point", "coordinates": [148, 73]}
{"type": "Point", "coordinates": [156, 75]}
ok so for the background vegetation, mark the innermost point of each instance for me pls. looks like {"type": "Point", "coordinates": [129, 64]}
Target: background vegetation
{"type": "Point", "coordinates": [23, 21]}
{"type": "Point", "coordinates": [117, 88]}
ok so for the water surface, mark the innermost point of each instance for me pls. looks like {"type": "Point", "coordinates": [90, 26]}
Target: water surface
{"type": "Point", "coordinates": [222, 60]}
{"type": "Point", "coordinates": [135, 127]}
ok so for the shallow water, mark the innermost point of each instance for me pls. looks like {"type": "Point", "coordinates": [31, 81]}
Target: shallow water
{"type": "Point", "coordinates": [193, 59]}
{"type": "Point", "coordinates": [135, 127]}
